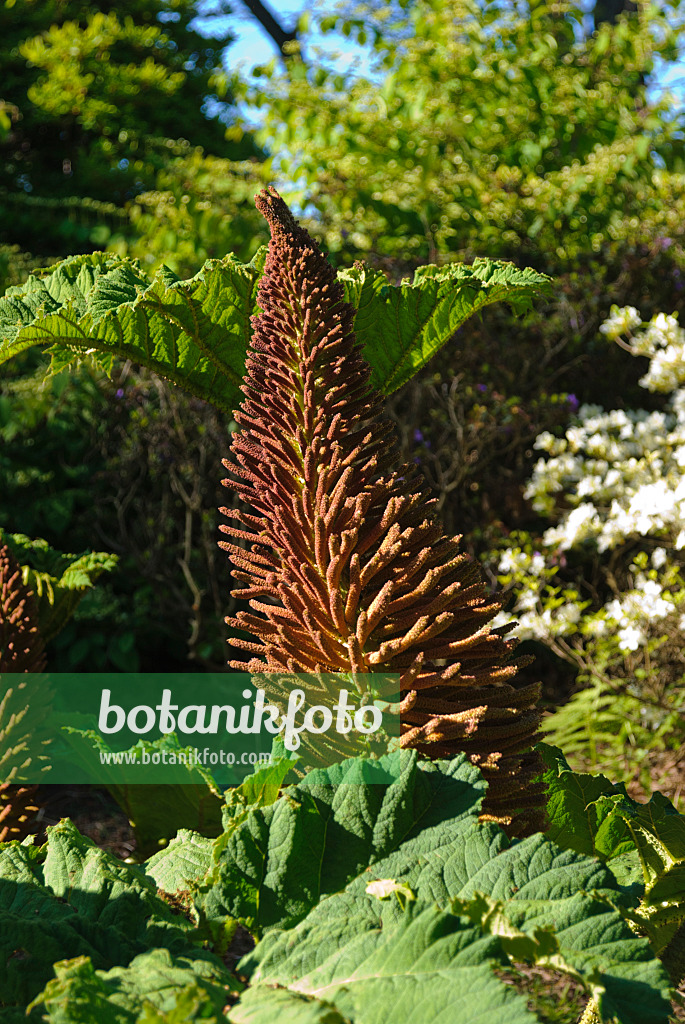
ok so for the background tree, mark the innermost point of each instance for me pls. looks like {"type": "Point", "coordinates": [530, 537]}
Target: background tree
{"type": "Point", "coordinates": [113, 134]}
{"type": "Point", "coordinates": [113, 121]}
{"type": "Point", "coordinates": [506, 128]}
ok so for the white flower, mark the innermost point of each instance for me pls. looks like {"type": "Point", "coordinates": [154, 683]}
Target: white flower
{"type": "Point", "coordinates": [578, 525]}
{"type": "Point", "coordinates": [537, 563]}
{"type": "Point", "coordinates": [513, 561]}
{"type": "Point", "coordinates": [630, 638]}
{"type": "Point", "coordinates": [620, 321]}
{"type": "Point", "coordinates": [659, 558]}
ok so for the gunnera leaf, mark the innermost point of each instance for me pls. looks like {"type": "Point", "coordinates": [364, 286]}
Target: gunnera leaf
{"type": "Point", "coordinates": [527, 902]}
{"type": "Point", "coordinates": [23, 705]}
{"type": "Point", "coordinates": [321, 834]}
{"type": "Point", "coordinates": [70, 899]}
{"type": "Point", "coordinates": [342, 559]}
{"type": "Point", "coordinates": [156, 988]}
{"type": "Point", "coordinates": [58, 581]}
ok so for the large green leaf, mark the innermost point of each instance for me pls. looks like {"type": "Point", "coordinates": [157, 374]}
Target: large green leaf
{"type": "Point", "coordinates": [196, 332]}
{"type": "Point", "coordinates": [182, 863]}
{"type": "Point", "coordinates": [379, 902]}
{"type": "Point", "coordinates": [402, 327]}
{"type": "Point", "coordinates": [71, 899]}
{"type": "Point", "coordinates": [260, 789]}
{"type": "Point", "coordinates": [533, 901]}
{"type": "Point", "coordinates": [425, 965]}
{"type": "Point", "coordinates": [265, 1004]}
{"type": "Point", "coordinates": [155, 987]}
{"type": "Point", "coordinates": [189, 856]}
{"type": "Point", "coordinates": [58, 581]}
{"type": "Point", "coordinates": [581, 809]}
{"type": "Point", "coordinates": [644, 844]}
{"type": "Point", "coordinates": [277, 864]}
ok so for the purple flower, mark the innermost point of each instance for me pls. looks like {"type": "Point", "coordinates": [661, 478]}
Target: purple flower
{"type": "Point", "coordinates": [573, 402]}
{"type": "Point", "coordinates": [120, 392]}
{"type": "Point", "coordinates": [418, 436]}
{"type": "Point", "coordinates": [664, 242]}
{"type": "Point", "coordinates": [482, 387]}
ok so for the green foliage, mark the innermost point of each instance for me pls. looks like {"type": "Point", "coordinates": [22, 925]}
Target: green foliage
{"type": "Point", "coordinates": [46, 465]}
{"type": "Point", "coordinates": [190, 799]}
{"type": "Point", "coordinates": [276, 866]}
{"type": "Point", "coordinates": [95, 100]}
{"type": "Point", "coordinates": [435, 892]}
{"type": "Point", "coordinates": [154, 987]}
{"type": "Point", "coordinates": [416, 906]}
{"type": "Point", "coordinates": [70, 899]}
{"type": "Point", "coordinates": [58, 581]}
{"type": "Point", "coordinates": [401, 328]}
{"type": "Point", "coordinates": [195, 333]}
{"type": "Point", "coordinates": [644, 844]}
{"type": "Point", "coordinates": [509, 126]}
{"type": "Point", "coordinates": [261, 789]}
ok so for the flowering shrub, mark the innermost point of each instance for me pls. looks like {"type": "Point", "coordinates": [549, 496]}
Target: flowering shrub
{"type": "Point", "coordinates": [615, 482]}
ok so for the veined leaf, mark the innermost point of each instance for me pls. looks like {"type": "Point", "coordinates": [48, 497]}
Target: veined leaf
{"type": "Point", "coordinates": [155, 987]}
{"type": "Point", "coordinates": [533, 901]}
{"type": "Point", "coordinates": [185, 862]}
{"type": "Point", "coordinates": [71, 899]}
{"type": "Point", "coordinates": [195, 332]}
{"type": "Point", "coordinates": [423, 965]}
{"type": "Point", "coordinates": [58, 581]}
{"type": "Point", "coordinates": [402, 327]}
{"type": "Point", "coordinates": [581, 809]}
{"type": "Point", "coordinates": [258, 790]}
{"type": "Point", "coordinates": [264, 1005]}
{"type": "Point", "coordinates": [181, 864]}
{"type": "Point", "coordinates": [644, 844]}
{"type": "Point", "coordinates": [277, 864]}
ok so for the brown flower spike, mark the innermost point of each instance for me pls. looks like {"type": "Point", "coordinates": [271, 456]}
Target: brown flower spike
{"type": "Point", "coordinates": [21, 650]}
{"type": "Point", "coordinates": [343, 561]}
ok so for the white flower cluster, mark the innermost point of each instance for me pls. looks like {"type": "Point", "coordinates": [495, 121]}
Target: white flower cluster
{"type": "Point", "coordinates": [540, 613]}
{"type": "Point", "coordinates": [620, 321]}
{"type": "Point", "coordinates": [621, 475]}
{"type": "Point", "coordinates": [636, 609]}
{"type": "Point", "coordinates": [621, 471]}
{"type": "Point", "coordinates": [664, 342]}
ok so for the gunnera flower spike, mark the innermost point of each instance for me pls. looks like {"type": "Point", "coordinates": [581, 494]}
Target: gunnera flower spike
{"type": "Point", "coordinates": [21, 707]}
{"type": "Point", "coordinates": [343, 560]}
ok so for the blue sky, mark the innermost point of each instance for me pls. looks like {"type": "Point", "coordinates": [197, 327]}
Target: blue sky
{"type": "Point", "coordinates": [254, 46]}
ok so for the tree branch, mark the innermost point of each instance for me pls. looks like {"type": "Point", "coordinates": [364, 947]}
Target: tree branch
{"type": "Point", "coordinates": [280, 36]}
{"type": "Point", "coordinates": [609, 10]}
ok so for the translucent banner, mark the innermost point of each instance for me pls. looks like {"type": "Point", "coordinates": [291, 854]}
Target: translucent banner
{"type": "Point", "coordinates": [149, 728]}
